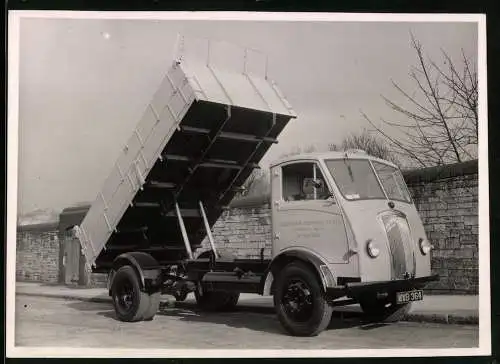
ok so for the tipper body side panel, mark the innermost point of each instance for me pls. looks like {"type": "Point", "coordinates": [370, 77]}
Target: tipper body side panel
{"type": "Point", "coordinates": [199, 139]}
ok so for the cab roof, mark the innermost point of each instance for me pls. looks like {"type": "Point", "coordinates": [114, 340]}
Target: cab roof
{"type": "Point", "coordinates": [349, 154]}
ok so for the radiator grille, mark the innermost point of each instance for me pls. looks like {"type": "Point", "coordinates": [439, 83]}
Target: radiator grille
{"type": "Point", "coordinates": [402, 253]}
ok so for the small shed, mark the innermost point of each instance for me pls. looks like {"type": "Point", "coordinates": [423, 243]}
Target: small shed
{"type": "Point", "coordinates": [71, 260]}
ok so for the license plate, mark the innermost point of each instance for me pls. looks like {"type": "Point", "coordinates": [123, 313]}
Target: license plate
{"type": "Point", "coordinates": [410, 296]}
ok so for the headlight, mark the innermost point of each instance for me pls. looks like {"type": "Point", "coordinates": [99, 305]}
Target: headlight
{"type": "Point", "coordinates": [372, 249]}
{"type": "Point", "coordinates": [425, 246]}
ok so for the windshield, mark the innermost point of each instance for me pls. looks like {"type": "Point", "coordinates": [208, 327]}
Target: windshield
{"type": "Point", "coordinates": [393, 182]}
{"type": "Point", "coordinates": [356, 180]}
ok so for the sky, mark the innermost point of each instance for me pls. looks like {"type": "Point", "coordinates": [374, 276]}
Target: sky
{"type": "Point", "coordinates": [84, 84]}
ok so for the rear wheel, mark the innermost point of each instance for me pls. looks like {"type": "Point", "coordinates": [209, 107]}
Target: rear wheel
{"type": "Point", "coordinates": [154, 305]}
{"type": "Point", "coordinates": [300, 302]}
{"type": "Point", "coordinates": [131, 304]}
{"type": "Point", "coordinates": [383, 310]}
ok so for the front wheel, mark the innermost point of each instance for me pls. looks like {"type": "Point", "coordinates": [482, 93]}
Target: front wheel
{"type": "Point", "coordinates": [300, 302]}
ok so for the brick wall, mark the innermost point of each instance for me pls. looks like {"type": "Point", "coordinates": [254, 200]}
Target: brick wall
{"type": "Point", "coordinates": [37, 253]}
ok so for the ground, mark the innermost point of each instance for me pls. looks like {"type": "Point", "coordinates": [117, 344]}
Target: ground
{"type": "Point", "coordinates": [58, 322]}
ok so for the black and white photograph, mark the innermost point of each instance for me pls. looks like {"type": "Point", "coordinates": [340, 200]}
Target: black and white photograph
{"type": "Point", "coordinates": [218, 184]}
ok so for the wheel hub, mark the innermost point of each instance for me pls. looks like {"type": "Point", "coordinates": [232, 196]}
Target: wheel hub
{"type": "Point", "coordinates": [125, 297]}
{"type": "Point", "coordinates": [297, 300]}
{"type": "Point", "coordinates": [126, 300]}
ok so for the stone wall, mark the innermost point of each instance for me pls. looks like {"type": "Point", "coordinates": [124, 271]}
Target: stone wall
{"type": "Point", "coordinates": [244, 231]}
{"type": "Point", "coordinates": [447, 200]}
{"type": "Point", "coordinates": [37, 253]}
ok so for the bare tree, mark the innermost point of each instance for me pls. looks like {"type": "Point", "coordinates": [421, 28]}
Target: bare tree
{"type": "Point", "coordinates": [368, 142]}
{"type": "Point", "coordinates": [441, 115]}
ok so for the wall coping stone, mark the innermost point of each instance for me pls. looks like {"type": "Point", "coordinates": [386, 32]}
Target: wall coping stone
{"type": "Point", "coordinates": [40, 227]}
{"type": "Point", "coordinates": [425, 175]}
{"type": "Point", "coordinates": [72, 216]}
{"type": "Point", "coordinates": [432, 174]}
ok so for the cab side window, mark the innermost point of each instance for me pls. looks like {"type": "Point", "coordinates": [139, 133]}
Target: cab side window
{"type": "Point", "coordinates": [303, 181]}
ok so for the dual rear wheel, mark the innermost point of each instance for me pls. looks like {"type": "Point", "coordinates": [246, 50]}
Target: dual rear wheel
{"type": "Point", "coordinates": [132, 304]}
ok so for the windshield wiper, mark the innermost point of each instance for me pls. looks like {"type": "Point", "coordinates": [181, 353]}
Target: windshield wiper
{"type": "Point", "coordinates": [348, 167]}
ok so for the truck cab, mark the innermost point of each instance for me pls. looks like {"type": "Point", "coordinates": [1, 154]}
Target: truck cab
{"type": "Point", "coordinates": [352, 217]}
{"type": "Point", "coordinates": [353, 211]}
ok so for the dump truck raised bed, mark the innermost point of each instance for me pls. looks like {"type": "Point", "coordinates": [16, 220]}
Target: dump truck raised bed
{"type": "Point", "coordinates": [344, 227]}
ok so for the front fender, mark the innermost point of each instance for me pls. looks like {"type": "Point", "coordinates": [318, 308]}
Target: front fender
{"type": "Point", "coordinates": [317, 264]}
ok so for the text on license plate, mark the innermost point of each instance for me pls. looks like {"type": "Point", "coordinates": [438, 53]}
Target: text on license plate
{"type": "Point", "coordinates": [410, 296]}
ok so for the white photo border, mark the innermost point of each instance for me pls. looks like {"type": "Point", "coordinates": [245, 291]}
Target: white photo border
{"type": "Point", "coordinates": [14, 19]}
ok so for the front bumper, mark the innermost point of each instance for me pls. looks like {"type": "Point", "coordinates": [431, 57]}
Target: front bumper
{"type": "Point", "coordinates": [356, 289]}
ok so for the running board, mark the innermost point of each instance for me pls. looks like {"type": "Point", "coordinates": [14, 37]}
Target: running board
{"type": "Point", "coordinates": [230, 277]}
{"type": "Point", "coordinates": [230, 281]}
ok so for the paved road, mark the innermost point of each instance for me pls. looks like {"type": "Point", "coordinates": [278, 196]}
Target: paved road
{"type": "Point", "coordinates": [57, 322]}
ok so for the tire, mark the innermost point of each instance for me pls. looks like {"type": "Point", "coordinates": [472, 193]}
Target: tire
{"type": "Point", "coordinates": [154, 305]}
{"type": "Point", "coordinates": [300, 302]}
{"type": "Point", "coordinates": [383, 310]}
{"type": "Point", "coordinates": [131, 304]}
{"type": "Point", "coordinates": [217, 300]}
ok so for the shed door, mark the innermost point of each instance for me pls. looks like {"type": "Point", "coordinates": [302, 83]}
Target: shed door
{"type": "Point", "coordinates": [72, 261]}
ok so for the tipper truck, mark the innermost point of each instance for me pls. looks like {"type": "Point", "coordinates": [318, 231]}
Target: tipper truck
{"type": "Point", "coordinates": [344, 227]}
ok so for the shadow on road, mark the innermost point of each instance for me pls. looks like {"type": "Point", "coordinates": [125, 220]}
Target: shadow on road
{"type": "Point", "coordinates": [242, 317]}
{"type": "Point", "coordinates": [89, 306]}
{"type": "Point", "coordinates": [260, 319]}
{"type": "Point", "coordinates": [234, 319]}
